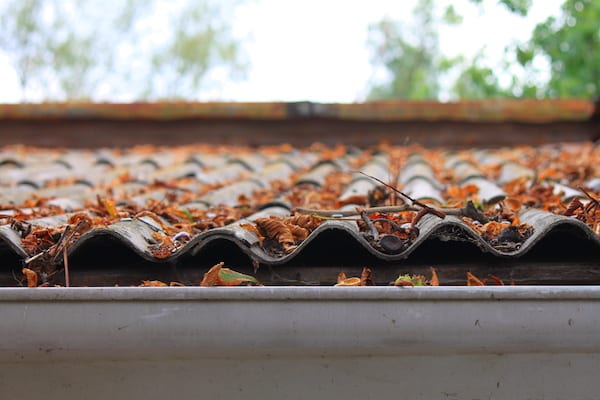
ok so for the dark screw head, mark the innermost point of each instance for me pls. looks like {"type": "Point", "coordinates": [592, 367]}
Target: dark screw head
{"type": "Point", "coordinates": [391, 244]}
{"type": "Point", "coordinates": [510, 234]}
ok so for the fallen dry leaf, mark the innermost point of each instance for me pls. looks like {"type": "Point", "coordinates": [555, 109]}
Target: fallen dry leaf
{"type": "Point", "coordinates": [153, 284]}
{"type": "Point", "coordinates": [364, 280]}
{"type": "Point", "coordinates": [211, 278]}
{"type": "Point", "coordinates": [273, 228]}
{"type": "Point", "coordinates": [494, 279]}
{"type": "Point", "coordinates": [365, 277]}
{"type": "Point", "coordinates": [472, 280]}
{"type": "Point", "coordinates": [349, 282]}
{"type": "Point", "coordinates": [513, 204]}
{"type": "Point", "coordinates": [219, 276]}
{"type": "Point", "coordinates": [434, 281]}
{"type": "Point", "coordinates": [32, 278]}
{"type": "Point", "coordinates": [108, 205]}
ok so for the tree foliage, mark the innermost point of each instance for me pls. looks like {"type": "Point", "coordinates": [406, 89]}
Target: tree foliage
{"type": "Point", "coordinates": [478, 81]}
{"type": "Point", "coordinates": [520, 7]}
{"type": "Point", "coordinates": [570, 43]}
{"type": "Point", "coordinates": [410, 54]}
{"type": "Point", "coordinates": [133, 50]}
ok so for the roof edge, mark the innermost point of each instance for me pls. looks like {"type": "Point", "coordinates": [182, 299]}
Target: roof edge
{"type": "Point", "coordinates": [487, 111]}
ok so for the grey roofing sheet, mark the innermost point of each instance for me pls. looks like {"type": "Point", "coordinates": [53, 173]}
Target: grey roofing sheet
{"type": "Point", "coordinates": [221, 193]}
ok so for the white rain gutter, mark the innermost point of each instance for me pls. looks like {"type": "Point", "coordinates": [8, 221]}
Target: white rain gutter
{"type": "Point", "coordinates": [294, 342]}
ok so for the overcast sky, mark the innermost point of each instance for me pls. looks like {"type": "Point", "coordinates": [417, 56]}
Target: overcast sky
{"type": "Point", "coordinates": [316, 49]}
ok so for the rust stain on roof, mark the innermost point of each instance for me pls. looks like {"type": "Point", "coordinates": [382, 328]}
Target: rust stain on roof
{"type": "Point", "coordinates": [533, 111]}
{"type": "Point", "coordinates": [162, 111]}
{"type": "Point", "coordinates": [529, 111]}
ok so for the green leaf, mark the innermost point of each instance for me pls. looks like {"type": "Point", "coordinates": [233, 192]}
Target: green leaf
{"type": "Point", "coordinates": [451, 16]}
{"type": "Point", "coordinates": [520, 7]}
{"type": "Point", "coordinates": [229, 277]}
{"type": "Point", "coordinates": [410, 280]}
{"type": "Point", "coordinates": [188, 214]}
{"type": "Point", "coordinates": [524, 55]}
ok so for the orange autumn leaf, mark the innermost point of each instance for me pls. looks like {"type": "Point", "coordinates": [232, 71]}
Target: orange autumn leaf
{"type": "Point", "coordinates": [155, 283]}
{"type": "Point", "coordinates": [299, 233]}
{"type": "Point", "coordinates": [365, 277]}
{"type": "Point", "coordinates": [492, 229]}
{"type": "Point", "coordinates": [159, 236]}
{"type": "Point", "coordinates": [211, 278]}
{"type": "Point", "coordinates": [108, 205]}
{"type": "Point", "coordinates": [462, 192]}
{"type": "Point", "coordinates": [517, 186]}
{"type": "Point", "coordinates": [434, 281]}
{"type": "Point", "coordinates": [252, 228]}
{"type": "Point", "coordinates": [470, 190]}
{"type": "Point", "coordinates": [513, 204]}
{"type": "Point", "coordinates": [349, 282]}
{"type": "Point", "coordinates": [549, 173]}
{"type": "Point", "coordinates": [32, 278]}
{"type": "Point", "coordinates": [161, 252]}
{"type": "Point", "coordinates": [273, 228]}
{"type": "Point", "coordinates": [364, 280]}
{"type": "Point", "coordinates": [306, 221]}
{"type": "Point", "coordinates": [472, 280]}
{"type": "Point", "coordinates": [495, 279]}
{"type": "Point", "coordinates": [454, 192]}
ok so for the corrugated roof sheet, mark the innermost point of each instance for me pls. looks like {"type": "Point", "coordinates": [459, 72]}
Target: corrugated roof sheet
{"type": "Point", "coordinates": [272, 202]}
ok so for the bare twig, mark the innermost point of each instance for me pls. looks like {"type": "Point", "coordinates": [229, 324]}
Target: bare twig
{"type": "Point", "coordinates": [413, 201]}
{"type": "Point", "coordinates": [350, 213]}
{"type": "Point", "coordinates": [430, 210]}
{"type": "Point", "coordinates": [335, 217]}
{"type": "Point", "coordinates": [469, 210]}
{"type": "Point", "coordinates": [65, 240]}
{"type": "Point", "coordinates": [33, 258]}
{"type": "Point", "coordinates": [369, 223]}
{"type": "Point", "coordinates": [594, 200]}
{"type": "Point", "coordinates": [66, 262]}
{"type": "Point", "coordinates": [418, 217]}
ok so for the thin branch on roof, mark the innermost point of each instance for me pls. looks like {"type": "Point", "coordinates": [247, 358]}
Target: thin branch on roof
{"type": "Point", "coordinates": [430, 210]}
{"type": "Point", "coordinates": [66, 262]}
{"type": "Point", "coordinates": [469, 210]}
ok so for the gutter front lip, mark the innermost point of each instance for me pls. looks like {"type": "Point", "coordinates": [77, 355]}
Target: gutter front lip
{"type": "Point", "coordinates": [92, 324]}
{"type": "Point", "coordinates": [306, 293]}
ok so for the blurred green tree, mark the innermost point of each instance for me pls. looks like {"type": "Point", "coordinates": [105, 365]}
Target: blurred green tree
{"type": "Point", "coordinates": [478, 81]}
{"type": "Point", "coordinates": [411, 57]}
{"type": "Point", "coordinates": [570, 43]}
{"type": "Point", "coordinates": [134, 50]}
{"type": "Point", "coordinates": [410, 54]}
